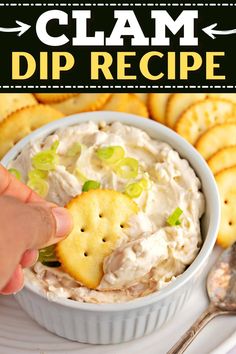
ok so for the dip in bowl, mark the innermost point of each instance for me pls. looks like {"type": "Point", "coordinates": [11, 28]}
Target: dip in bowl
{"type": "Point", "coordinates": [154, 281]}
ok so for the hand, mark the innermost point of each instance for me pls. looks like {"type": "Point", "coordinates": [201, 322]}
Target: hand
{"type": "Point", "coordinates": [27, 223]}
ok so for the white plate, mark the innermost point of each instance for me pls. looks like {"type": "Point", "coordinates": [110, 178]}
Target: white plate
{"type": "Point", "coordinates": [21, 335]}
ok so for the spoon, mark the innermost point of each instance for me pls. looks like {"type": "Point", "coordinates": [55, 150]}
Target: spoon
{"type": "Point", "coordinates": [221, 288]}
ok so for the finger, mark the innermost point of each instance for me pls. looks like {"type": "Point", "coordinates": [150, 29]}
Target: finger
{"type": "Point", "coordinates": [31, 226]}
{"type": "Point", "coordinates": [16, 282]}
{"type": "Point", "coordinates": [36, 224]}
{"type": "Point", "coordinates": [29, 258]}
{"type": "Point", "coordinates": [50, 225]}
{"type": "Point", "coordinates": [11, 186]}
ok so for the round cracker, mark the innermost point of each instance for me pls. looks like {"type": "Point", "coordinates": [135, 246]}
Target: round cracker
{"type": "Point", "coordinates": [202, 116]}
{"type": "Point", "coordinates": [227, 190]}
{"type": "Point", "coordinates": [100, 217]}
{"type": "Point", "coordinates": [126, 102]}
{"type": "Point", "coordinates": [53, 97]}
{"type": "Point", "coordinates": [216, 138]}
{"type": "Point", "coordinates": [117, 102]}
{"type": "Point", "coordinates": [222, 159]}
{"type": "Point", "coordinates": [11, 102]}
{"type": "Point", "coordinates": [21, 123]}
{"type": "Point", "coordinates": [135, 106]}
{"type": "Point", "coordinates": [157, 103]}
{"type": "Point", "coordinates": [178, 103]}
{"type": "Point", "coordinates": [83, 102]}
{"type": "Point", "coordinates": [143, 97]}
{"type": "Point", "coordinates": [227, 96]}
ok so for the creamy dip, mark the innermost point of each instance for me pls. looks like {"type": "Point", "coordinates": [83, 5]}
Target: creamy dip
{"type": "Point", "coordinates": [153, 252]}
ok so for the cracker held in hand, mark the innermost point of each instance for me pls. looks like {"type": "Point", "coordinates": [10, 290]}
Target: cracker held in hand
{"type": "Point", "coordinates": [21, 123]}
{"type": "Point", "coordinates": [216, 138]}
{"type": "Point", "coordinates": [202, 116]}
{"type": "Point", "coordinates": [100, 217]}
{"type": "Point", "coordinates": [227, 189]}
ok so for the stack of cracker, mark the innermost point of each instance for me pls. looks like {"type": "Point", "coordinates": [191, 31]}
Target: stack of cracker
{"type": "Point", "coordinates": [207, 121]}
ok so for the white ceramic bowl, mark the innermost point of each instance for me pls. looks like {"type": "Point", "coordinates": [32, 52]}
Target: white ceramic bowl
{"type": "Point", "coordinates": [115, 323]}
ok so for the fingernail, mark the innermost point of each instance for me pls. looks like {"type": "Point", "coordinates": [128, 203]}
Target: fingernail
{"type": "Point", "coordinates": [16, 282]}
{"type": "Point", "coordinates": [63, 222]}
{"type": "Point", "coordinates": [29, 258]}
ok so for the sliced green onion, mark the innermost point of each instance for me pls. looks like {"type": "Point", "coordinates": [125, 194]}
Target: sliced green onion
{"type": "Point", "coordinates": [105, 153]}
{"type": "Point", "coordinates": [173, 219]}
{"type": "Point", "coordinates": [127, 168]}
{"type": "Point", "coordinates": [80, 175]}
{"type": "Point", "coordinates": [144, 183]}
{"type": "Point", "coordinates": [74, 150]}
{"type": "Point", "coordinates": [134, 190]}
{"type": "Point", "coordinates": [45, 160]}
{"type": "Point", "coordinates": [14, 172]}
{"type": "Point", "coordinates": [37, 174]}
{"type": "Point", "coordinates": [90, 185]}
{"type": "Point", "coordinates": [111, 154]}
{"type": "Point", "coordinates": [39, 185]}
{"type": "Point", "coordinates": [54, 146]}
{"type": "Point", "coordinates": [47, 254]}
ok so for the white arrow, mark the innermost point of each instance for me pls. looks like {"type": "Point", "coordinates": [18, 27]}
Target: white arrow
{"type": "Point", "coordinates": [23, 27]}
{"type": "Point", "coordinates": [210, 31]}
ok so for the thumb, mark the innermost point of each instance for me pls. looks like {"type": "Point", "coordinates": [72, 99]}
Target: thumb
{"type": "Point", "coordinates": [27, 226]}
{"type": "Point", "coordinates": [47, 225]}
{"type": "Point", "coordinates": [32, 225]}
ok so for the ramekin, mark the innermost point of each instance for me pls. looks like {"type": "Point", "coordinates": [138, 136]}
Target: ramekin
{"type": "Point", "coordinates": [116, 323]}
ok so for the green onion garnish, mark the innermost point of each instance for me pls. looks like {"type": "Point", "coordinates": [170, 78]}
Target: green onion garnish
{"type": "Point", "coordinates": [90, 185]}
{"type": "Point", "coordinates": [173, 219]}
{"type": "Point", "coordinates": [14, 172]}
{"type": "Point", "coordinates": [127, 168]}
{"type": "Point", "coordinates": [144, 183]}
{"type": "Point", "coordinates": [54, 146]}
{"type": "Point", "coordinates": [37, 182]}
{"type": "Point", "coordinates": [47, 254]}
{"type": "Point", "coordinates": [39, 185]}
{"type": "Point", "coordinates": [134, 190]}
{"type": "Point", "coordinates": [111, 154]}
{"type": "Point", "coordinates": [37, 174]}
{"type": "Point", "coordinates": [46, 160]}
{"type": "Point", "coordinates": [80, 175]}
{"type": "Point", "coordinates": [74, 150]}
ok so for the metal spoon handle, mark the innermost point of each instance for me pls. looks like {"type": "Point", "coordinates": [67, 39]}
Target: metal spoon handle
{"type": "Point", "coordinates": [191, 333]}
